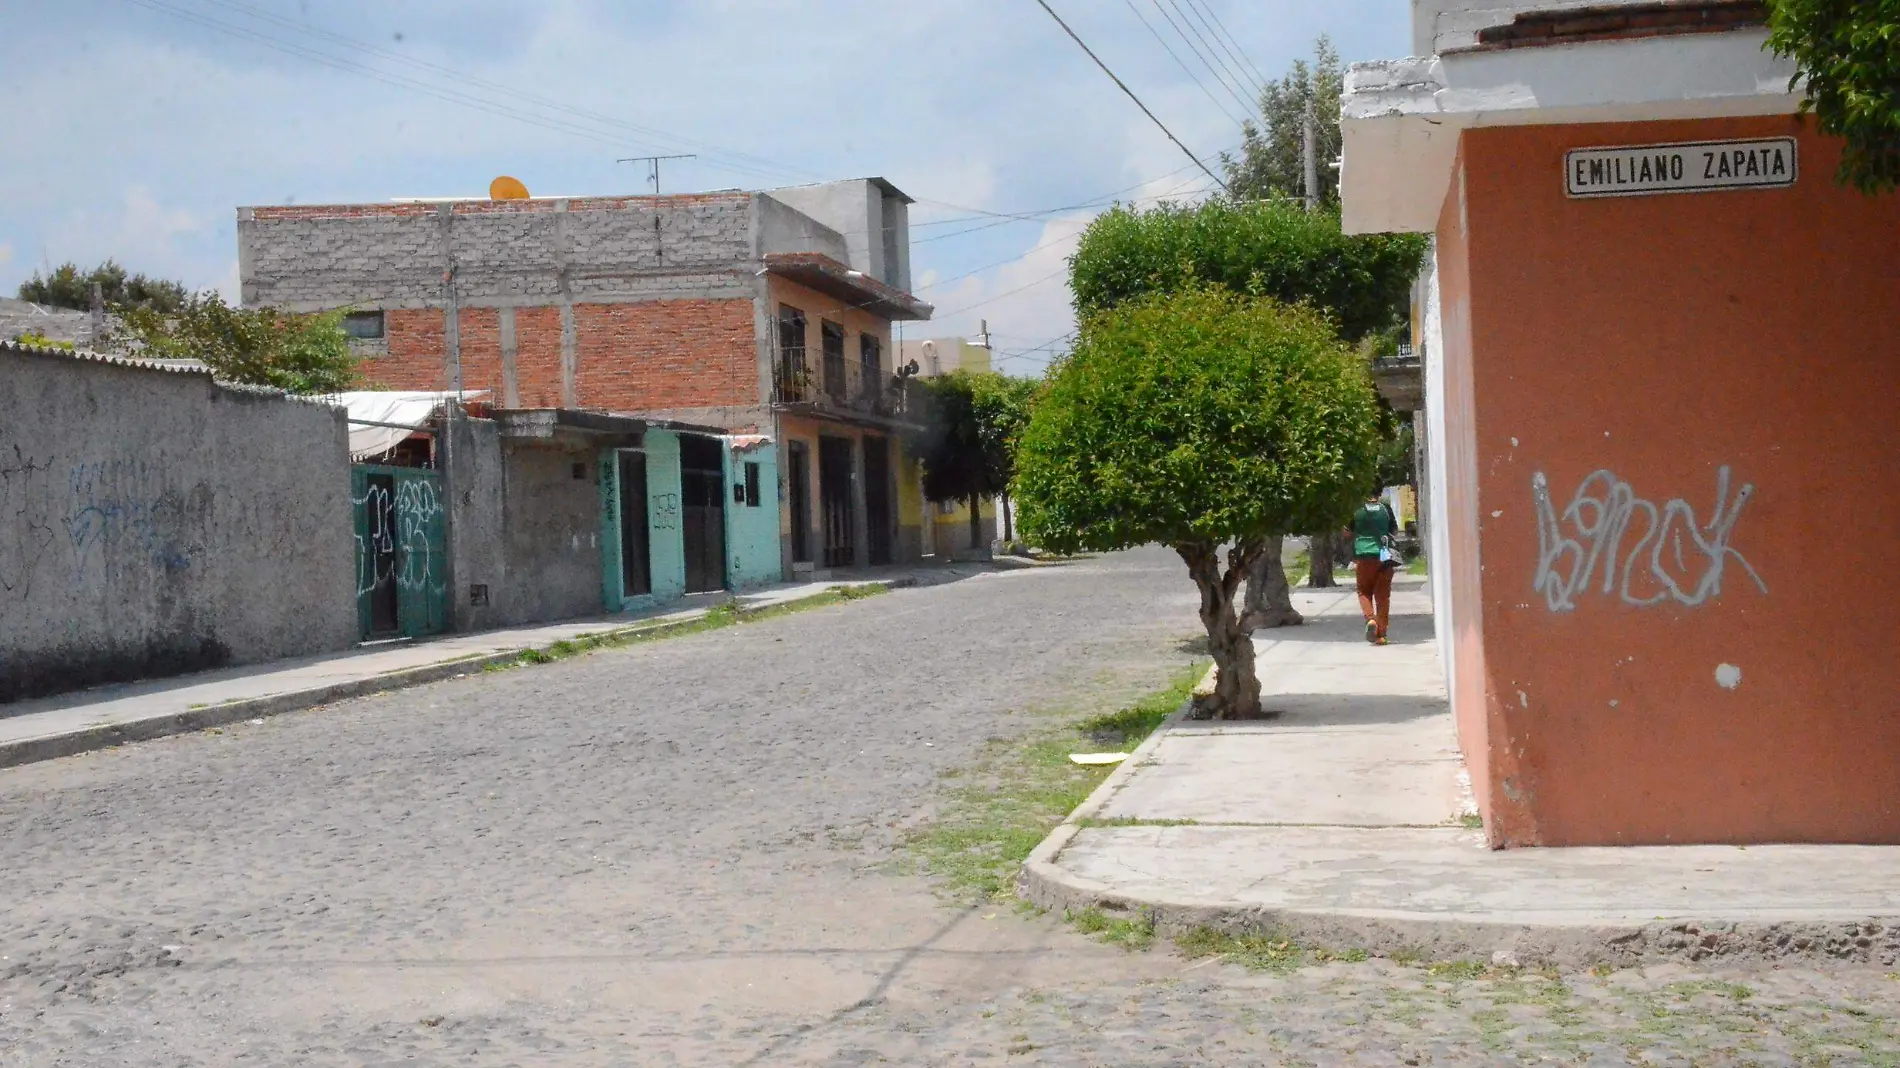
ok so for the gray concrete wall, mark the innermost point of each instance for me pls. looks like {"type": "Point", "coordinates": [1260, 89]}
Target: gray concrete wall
{"type": "Point", "coordinates": [783, 228]}
{"type": "Point", "coordinates": [475, 483]}
{"type": "Point", "coordinates": [519, 253]}
{"type": "Point", "coordinates": [154, 523]}
{"type": "Point", "coordinates": [551, 536]}
{"type": "Point", "coordinates": [874, 222]}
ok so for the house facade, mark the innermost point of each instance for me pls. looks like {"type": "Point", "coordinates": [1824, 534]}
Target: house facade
{"type": "Point", "coordinates": [947, 529]}
{"type": "Point", "coordinates": [762, 317]}
{"type": "Point", "coordinates": [1657, 357]}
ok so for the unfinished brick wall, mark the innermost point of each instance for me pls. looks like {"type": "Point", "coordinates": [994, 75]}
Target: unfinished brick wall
{"type": "Point", "coordinates": [481, 351]}
{"type": "Point", "coordinates": [538, 356]}
{"type": "Point", "coordinates": [666, 354]}
{"type": "Point", "coordinates": [417, 352]}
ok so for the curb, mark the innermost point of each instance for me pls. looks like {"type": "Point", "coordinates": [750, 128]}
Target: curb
{"type": "Point", "coordinates": [107, 736]}
{"type": "Point", "coordinates": [1420, 936]}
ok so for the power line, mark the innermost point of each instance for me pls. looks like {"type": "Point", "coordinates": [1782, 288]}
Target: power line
{"type": "Point", "coordinates": [1239, 69]}
{"type": "Point", "coordinates": [724, 159]}
{"type": "Point", "coordinates": [1172, 54]}
{"type": "Point", "coordinates": [1188, 36]}
{"type": "Point", "coordinates": [1260, 79]}
{"type": "Point", "coordinates": [1131, 93]}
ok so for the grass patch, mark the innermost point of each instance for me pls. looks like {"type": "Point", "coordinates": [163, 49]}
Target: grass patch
{"type": "Point", "coordinates": [1260, 952]}
{"type": "Point", "coordinates": [718, 617]}
{"type": "Point", "coordinates": [1471, 821]}
{"type": "Point", "coordinates": [1417, 566]}
{"type": "Point", "coordinates": [1130, 934]}
{"type": "Point", "coordinates": [1023, 789]}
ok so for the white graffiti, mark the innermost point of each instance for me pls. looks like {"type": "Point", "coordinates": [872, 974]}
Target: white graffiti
{"type": "Point", "coordinates": [378, 545]}
{"type": "Point", "coordinates": [1674, 558]}
{"type": "Point", "coordinates": [418, 510]}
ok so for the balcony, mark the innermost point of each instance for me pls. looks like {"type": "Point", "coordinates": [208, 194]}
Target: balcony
{"type": "Point", "coordinates": [1400, 379]}
{"type": "Point", "coordinates": [845, 389]}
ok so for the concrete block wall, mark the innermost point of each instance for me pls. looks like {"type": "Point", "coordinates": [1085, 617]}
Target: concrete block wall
{"type": "Point", "coordinates": [154, 523]}
{"type": "Point", "coordinates": [619, 304]}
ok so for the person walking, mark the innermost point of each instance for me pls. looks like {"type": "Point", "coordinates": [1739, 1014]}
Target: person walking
{"type": "Point", "coordinates": [1374, 559]}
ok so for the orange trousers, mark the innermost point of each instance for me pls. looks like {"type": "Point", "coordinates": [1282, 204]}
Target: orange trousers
{"type": "Point", "coordinates": [1375, 590]}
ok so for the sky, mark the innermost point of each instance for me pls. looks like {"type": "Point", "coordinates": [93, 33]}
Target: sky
{"type": "Point", "coordinates": [133, 129]}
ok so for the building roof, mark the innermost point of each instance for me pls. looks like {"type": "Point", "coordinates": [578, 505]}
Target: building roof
{"type": "Point", "coordinates": [87, 355]}
{"type": "Point", "coordinates": [1401, 119]}
{"type": "Point", "coordinates": [1617, 21]}
{"type": "Point", "coordinates": [815, 270]}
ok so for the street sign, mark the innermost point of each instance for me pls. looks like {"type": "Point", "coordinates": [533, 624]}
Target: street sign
{"type": "Point", "coordinates": [1688, 167]}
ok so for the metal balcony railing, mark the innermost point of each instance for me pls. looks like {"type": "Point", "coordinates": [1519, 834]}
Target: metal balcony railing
{"type": "Point", "coordinates": [841, 385]}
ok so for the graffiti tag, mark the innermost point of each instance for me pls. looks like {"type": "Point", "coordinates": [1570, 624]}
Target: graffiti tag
{"type": "Point", "coordinates": [1675, 557]}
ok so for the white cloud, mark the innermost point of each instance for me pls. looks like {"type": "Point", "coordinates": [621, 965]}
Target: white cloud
{"type": "Point", "coordinates": [977, 104]}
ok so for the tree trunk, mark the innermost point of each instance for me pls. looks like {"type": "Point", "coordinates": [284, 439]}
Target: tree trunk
{"type": "Point", "coordinates": [1320, 551]}
{"type": "Point", "coordinates": [1236, 687]}
{"type": "Point", "coordinates": [1269, 602]}
{"type": "Point", "coordinates": [976, 524]}
{"type": "Point", "coordinates": [1009, 521]}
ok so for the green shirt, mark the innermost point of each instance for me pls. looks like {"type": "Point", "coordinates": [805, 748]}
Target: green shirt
{"type": "Point", "coordinates": [1371, 525]}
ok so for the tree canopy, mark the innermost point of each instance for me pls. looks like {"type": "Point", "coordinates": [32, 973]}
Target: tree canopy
{"type": "Point", "coordinates": [66, 286]}
{"type": "Point", "coordinates": [1270, 163]}
{"type": "Point", "coordinates": [1195, 419]}
{"type": "Point", "coordinates": [1272, 249]}
{"type": "Point", "coordinates": [255, 346]}
{"type": "Point", "coordinates": [1847, 53]}
{"type": "Point", "coordinates": [968, 445]}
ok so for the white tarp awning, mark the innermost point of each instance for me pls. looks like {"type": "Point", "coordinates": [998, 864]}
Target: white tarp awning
{"type": "Point", "coordinates": [404, 409]}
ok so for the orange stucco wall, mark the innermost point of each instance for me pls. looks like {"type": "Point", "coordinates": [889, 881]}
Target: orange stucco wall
{"type": "Point", "coordinates": [1664, 339]}
{"type": "Point", "coordinates": [1465, 672]}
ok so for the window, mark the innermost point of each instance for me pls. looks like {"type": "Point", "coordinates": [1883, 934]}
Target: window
{"type": "Point", "coordinates": [363, 325]}
{"type": "Point", "coordinates": [751, 485]}
{"type": "Point", "coordinates": [791, 333]}
{"type": "Point", "coordinates": [870, 357]}
{"type": "Point", "coordinates": [834, 358]}
{"type": "Point", "coordinates": [792, 378]}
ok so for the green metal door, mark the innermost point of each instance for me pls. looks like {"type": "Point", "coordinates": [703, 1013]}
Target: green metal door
{"type": "Point", "coordinates": [402, 556]}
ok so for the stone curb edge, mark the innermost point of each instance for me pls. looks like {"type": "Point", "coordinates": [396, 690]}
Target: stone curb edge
{"type": "Point", "coordinates": [1427, 937]}
{"type": "Point", "coordinates": [108, 735]}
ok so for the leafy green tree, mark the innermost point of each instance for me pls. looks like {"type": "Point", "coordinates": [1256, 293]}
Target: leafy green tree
{"type": "Point", "coordinates": [954, 449]}
{"type": "Point", "coordinates": [1274, 249]}
{"type": "Point", "coordinates": [1197, 419]}
{"type": "Point", "coordinates": [1362, 282]}
{"type": "Point", "coordinates": [1271, 163]}
{"type": "Point", "coordinates": [1847, 53]}
{"type": "Point", "coordinates": [255, 346]}
{"type": "Point", "coordinates": [1003, 403]}
{"type": "Point", "coordinates": [66, 286]}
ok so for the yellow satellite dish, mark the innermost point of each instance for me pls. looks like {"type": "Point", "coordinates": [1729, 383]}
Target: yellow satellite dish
{"type": "Point", "coordinates": [506, 188]}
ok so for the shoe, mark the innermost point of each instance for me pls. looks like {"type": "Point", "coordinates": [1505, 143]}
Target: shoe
{"type": "Point", "coordinates": [1372, 631]}
{"type": "Point", "coordinates": [1381, 641]}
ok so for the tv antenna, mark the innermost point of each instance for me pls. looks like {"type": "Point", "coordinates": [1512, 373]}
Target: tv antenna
{"type": "Point", "coordinates": [653, 166]}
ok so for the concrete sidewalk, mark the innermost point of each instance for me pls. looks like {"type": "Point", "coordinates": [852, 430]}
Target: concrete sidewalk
{"type": "Point", "coordinates": [66, 724]}
{"type": "Point", "coordinates": [1342, 823]}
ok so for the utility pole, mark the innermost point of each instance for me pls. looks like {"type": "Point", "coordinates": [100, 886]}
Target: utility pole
{"type": "Point", "coordinates": [653, 166]}
{"type": "Point", "coordinates": [1309, 152]}
{"type": "Point", "coordinates": [98, 307]}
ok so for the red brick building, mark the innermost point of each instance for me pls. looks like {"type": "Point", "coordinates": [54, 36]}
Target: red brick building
{"type": "Point", "coordinates": [762, 313]}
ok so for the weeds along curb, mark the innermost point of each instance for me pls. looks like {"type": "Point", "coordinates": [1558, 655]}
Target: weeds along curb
{"type": "Point", "coordinates": [1412, 936]}
{"type": "Point", "coordinates": [109, 735]}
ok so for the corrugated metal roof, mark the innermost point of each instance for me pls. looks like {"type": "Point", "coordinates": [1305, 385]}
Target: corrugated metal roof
{"type": "Point", "coordinates": [170, 366]}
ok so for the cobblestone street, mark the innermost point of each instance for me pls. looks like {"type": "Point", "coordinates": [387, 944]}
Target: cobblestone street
{"type": "Point", "coordinates": [681, 853]}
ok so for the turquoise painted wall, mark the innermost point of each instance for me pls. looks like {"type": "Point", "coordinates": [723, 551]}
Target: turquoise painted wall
{"type": "Point", "coordinates": [607, 477]}
{"type": "Point", "coordinates": [752, 545]}
{"type": "Point", "coordinates": [667, 537]}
